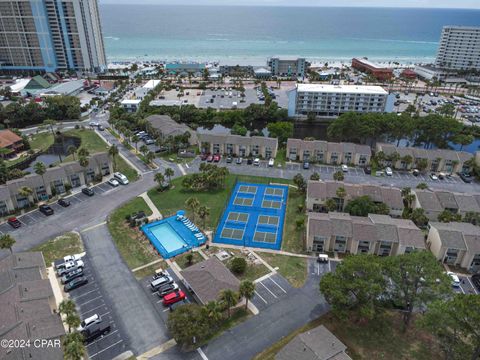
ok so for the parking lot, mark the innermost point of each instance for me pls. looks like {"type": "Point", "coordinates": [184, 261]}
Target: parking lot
{"type": "Point", "coordinates": [36, 216]}
{"type": "Point", "coordinates": [90, 299]}
{"type": "Point", "coordinates": [466, 286]}
{"type": "Point", "coordinates": [156, 300]}
{"type": "Point", "coordinates": [270, 290]}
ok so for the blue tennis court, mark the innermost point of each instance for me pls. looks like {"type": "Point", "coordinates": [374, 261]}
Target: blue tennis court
{"type": "Point", "coordinates": [254, 216]}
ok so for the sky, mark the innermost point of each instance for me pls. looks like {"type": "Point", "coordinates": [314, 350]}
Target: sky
{"type": "Point", "coordinates": [468, 4]}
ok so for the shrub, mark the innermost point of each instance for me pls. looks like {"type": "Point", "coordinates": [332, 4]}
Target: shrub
{"type": "Point", "coordinates": [238, 265]}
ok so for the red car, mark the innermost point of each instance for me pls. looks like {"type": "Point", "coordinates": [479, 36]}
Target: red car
{"type": "Point", "coordinates": [216, 158]}
{"type": "Point", "coordinates": [204, 156]}
{"type": "Point", "coordinates": [209, 158]}
{"type": "Point", "coordinates": [14, 222]}
{"type": "Point", "coordinates": [173, 297]}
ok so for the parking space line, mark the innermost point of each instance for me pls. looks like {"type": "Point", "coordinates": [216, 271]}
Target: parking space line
{"type": "Point", "coordinates": [95, 308]}
{"type": "Point", "coordinates": [275, 296]}
{"type": "Point", "coordinates": [108, 312]}
{"type": "Point", "coordinates": [283, 288]}
{"type": "Point", "coordinates": [89, 301]}
{"type": "Point", "coordinates": [88, 292]}
{"type": "Point", "coordinates": [265, 301]}
{"type": "Point", "coordinates": [103, 337]}
{"type": "Point", "coordinates": [473, 287]}
{"type": "Point", "coordinates": [202, 354]}
{"type": "Point", "coordinates": [118, 342]}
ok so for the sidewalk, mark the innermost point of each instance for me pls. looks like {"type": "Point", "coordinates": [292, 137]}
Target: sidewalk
{"type": "Point", "coordinates": [278, 252]}
{"type": "Point", "coordinates": [156, 215]}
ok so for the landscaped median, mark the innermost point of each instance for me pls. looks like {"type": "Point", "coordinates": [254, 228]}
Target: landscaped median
{"type": "Point", "coordinates": [63, 245]}
{"type": "Point", "coordinates": [292, 268]}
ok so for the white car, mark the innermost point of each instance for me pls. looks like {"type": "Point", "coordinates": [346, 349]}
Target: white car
{"type": "Point", "coordinates": [271, 162]}
{"type": "Point", "coordinates": [122, 179]}
{"type": "Point", "coordinates": [388, 171]}
{"type": "Point", "coordinates": [256, 162]}
{"type": "Point", "coordinates": [344, 168]}
{"type": "Point", "coordinates": [93, 123]}
{"type": "Point", "coordinates": [455, 279]}
{"type": "Point", "coordinates": [433, 176]}
{"type": "Point", "coordinates": [89, 321]}
{"type": "Point", "coordinates": [113, 182]}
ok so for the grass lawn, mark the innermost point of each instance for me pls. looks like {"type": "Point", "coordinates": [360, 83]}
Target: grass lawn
{"type": "Point", "coordinates": [134, 247]}
{"type": "Point", "coordinates": [294, 269]}
{"type": "Point", "coordinates": [253, 271]}
{"type": "Point", "coordinates": [380, 339]}
{"type": "Point", "coordinates": [67, 244]}
{"type": "Point", "coordinates": [150, 270]}
{"type": "Point", "coordinates": [41, 141]}
{"type": "Point", "coordinates": [281, 157]}
{"type": "Point", "coordinates": [182, 260]}
{"type": "Point", "coordinates": [126, 169]}
{"type": "Point", "coordinates": [293, 237]}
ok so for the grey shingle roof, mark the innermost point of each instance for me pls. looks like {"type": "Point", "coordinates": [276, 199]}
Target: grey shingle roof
{"type": "Point", "coordinates": [428, 200]}
{"type": "Point", "coordinates": [447, 199]}
{"type": "Point", "coordinates": [467, 203]}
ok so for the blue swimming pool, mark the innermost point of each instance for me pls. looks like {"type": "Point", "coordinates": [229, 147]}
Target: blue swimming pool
{"type": "Point", "coordinates": [172, 236]}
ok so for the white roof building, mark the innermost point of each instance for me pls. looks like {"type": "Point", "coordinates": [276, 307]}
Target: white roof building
{"type": "Point", "coordinates": [341, 89]}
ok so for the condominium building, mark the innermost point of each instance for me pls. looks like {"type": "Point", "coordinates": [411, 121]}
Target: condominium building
{"type": "Point", "coordinates": [328, 152]}
{"type": "Point", "coordinates": [459, 48]}
{"type": "Point", "coordinates": [377, 71]}
{"type": "Point", "coordinates": [376, 234]}
{"type": "Point", "coordinates": [287, 67]}
{"type": "Point", "coordinates": [242, 146]}
{"type": "Point", "coordinates": [455, 244]}
{"type": "Point", "coordinates": [318, 192]}
{"type": "Point", "coordinates": [334, 100]}
{"type": "Point", "coordinates": [51, 35]}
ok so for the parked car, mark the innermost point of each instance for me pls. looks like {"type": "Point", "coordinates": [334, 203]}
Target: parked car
{"type": "Point", "coordinates": [88, 191]}
{"type": "Point", "coordinates": [75, 283]}
{"type": "Point", "coordinates": [476, 281]}
{"type": "Point", "coordinates": [63, 202]}
{"type": "Point", "coordinates": [209, 158]}
{"type": "Point", "coordinates": [271, 162]}
{"type": "Point", "coordinates": [95, 331]}
{"type": "Point", "coordinates": [174, 297]}
{"type": "Point", "coordinates": [433, 176]}
{"type": "Point", "coordinates": [249, 161]}
{"type": "Point", "coordinates": [204, 156]}
{"type": "Point", "coordinates": [58, 264]}
{"type": "Point", "coordinates": [344, 168]}
{"type": "Point", "coordinates": [322, 258]}
{"type": "Point", "coordinates": [174, 306]}
{"type": "Point", "coordinates": [122, 179]}
{"type": "Point", "coordinates": [465, 177]}
{"type": "Point", "coordinates": [256, 162]}
{"type": "Point", "coordinates": [216, 158]}
{"type": "Point", "coordinates": [229, 160]}
{"type": "Point", "coordinates": [72, 275]}
{"type": "Point", "coordinates": [368, 170]}
{"type": "Point", "coordinates": [167, 289]}
{"type": "Point", "coordinates": [158, 283]}
{"type": "Point", "coordinates": [88, 322]}
{"type": "Point", "coordinates": [415, 172]}
{"type": "Point", "coordinates": [14, 222]}
{"type": "Point", "coordinates": [442, 175]}
{"type": "Point", "coordinates": [455, 279]}
{"type": "Point", "coordinates": [100, 128]}
{"type": "Point", "coordinates": [306, 165]}
{"type": "Point", "coordinates": [45, 210]}
{"type": "Point", "coordinates": [239, 161]}
{"type": "Point", "coordinates": [113, 182]}
{"type": "Point", "coordinates": [70, 266]}
{"type": "Point", "coordinates": [388, 171]}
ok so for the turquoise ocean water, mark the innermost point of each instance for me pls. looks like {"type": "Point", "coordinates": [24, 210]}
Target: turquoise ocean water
{"type": "Point", "coordinates": [250, 34]}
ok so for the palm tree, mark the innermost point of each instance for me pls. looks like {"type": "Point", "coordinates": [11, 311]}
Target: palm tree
{"type": "Point", "coordinates": [73, 347]}
{"type": "Point", "coordinates": [25, 192]}
{"type": "Point", "coordinates": [83, 161]}
{"type": "Point", "coordinates": [72, 320]}
{"type": "Point", "coordinates": [113, 152]}
{"type": "Point", "coordinates": [229, 298]}
{"type": "Point", "coordinates": [213, 312]}
{"type": "Point", "coordinates": [203, 214]}
{"type": "Point", "coordinates": [71, 150]}
{"type": "Point", "coordinates": [7, 241]}
{"type": "Point", "coordinates": [169, 173]}
{"type": "Point", "coordinates": [144, 149]}
{"type": "Point", "coordinates": [50, 123]}
{"type": "Point", "coordinates": [149, 157]}
{"type": "Point", "coordinates": [83, 152]}
{"type": "Point", "coordinates": [40, 169]}
{"type": "Point", "coordinates": [135, 140]}
{"type": "Point", "coordinates": [159, 178]}
{"type": "Point", "coordinates": [341, 193]}
{"type": "Point", "coordinates": [192, 204]}
{"type": "Point", "coordinates": [247, 290]}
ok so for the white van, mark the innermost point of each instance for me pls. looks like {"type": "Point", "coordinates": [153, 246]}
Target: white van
{"type": "Point", "coordinates": [256, 162]}
{"type": "Point", "coordinates": [122, 179]}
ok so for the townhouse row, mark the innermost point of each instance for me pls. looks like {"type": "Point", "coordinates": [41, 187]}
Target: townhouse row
{"type": "Point", "coordinates": [376, 234]}
{"type": "Point", "coordinates": [56, 180]}
{"type": "Point", "coordinates": [237, 145]}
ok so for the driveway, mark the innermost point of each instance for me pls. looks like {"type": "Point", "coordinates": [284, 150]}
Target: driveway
{"type": "Point", "coordinates": [137, 316]}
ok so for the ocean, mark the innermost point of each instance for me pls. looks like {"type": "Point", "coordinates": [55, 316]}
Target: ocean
{"type": "Point", "coordinates": [248, 35]}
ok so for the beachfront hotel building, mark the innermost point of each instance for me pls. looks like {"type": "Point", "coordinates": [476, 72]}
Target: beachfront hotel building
{"type": "Point", "coordinates": [287, 67]}
{"type": "Point", "coordinates": [459, 48]}
{"type": "Point", "coordinates": [334, 100]}
{"type": "Point", "coordinates": [377, 71]}
{"type": "Point", "coordinates": [50, 35]}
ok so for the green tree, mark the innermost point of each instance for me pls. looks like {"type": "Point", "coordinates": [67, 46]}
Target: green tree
{"type": "Point", "coordinates": [212, 311]}
{"type": "Point", "coordinates": [72, 150]}
{"type": "Point", "coordinates": [26, 192]}
{"type": "Point", "coordinates": [135, 140]}
{"type": "Point", "coordinates": [341, 193]}
{"type": "Point", "coordinates": [203, 214]}
{"type": "Point", "coordinates": [331, 204]}
{"type": "Point", "coordinates": [73, 347]}
{"type": "Point", "coordinates": [188, 325]}
{"type": "Point", "coordinates": [82, 152]}
{"type": "Point", "coordinates": [422, 164]}
{"type": "Point", "coordinates": [281, 130]}
{"type": "Point", "coordinates": [144, 149]}
{"type": "Point", "coordinates": [72, 320]}
{"type": "Point", "coordinates": [422, 186]}
{"type": "Point", "coordinates": [447, 216]}
{"type": "Point", "coordinates": [364, 205]}
{"type": "Point", "coordinates": [338, 176]}
{"type": "Point", "coordinates": [7, 241]}
{"type": "Point", "coordinates": [418, 217]}
{"type": "Point", "coordinates": [300, 182]}
{"type": "Point", "coordinates": [238, 265]}
{"type": "Point", "coordinates": [356, 285]}
{"type": "Point", "coordinates": [50, 123]}
{"type": "Point", "coordinates": [40, 169]}
{"type": "Point", "coordinates": [463, 139]}
{"type": "Point", "coordinates": [315, 176]}
{"type": "Point", "coordinates": [415, 279]}
{"type": "Point", "coordinates": [159, 179]}
{"type": "Point", "coordinates": [192, 204]}
{"type": "Point", "coordinates": [150, 157]}
{"type": "Point", "coordinates": [446, 109]}
{"type": "Point", "coordinates": [456, 325]}
{"type": "Point", "coordinates": [113, 152]}
{"type": "Point", "coordinates": [247, 290]}
{"type": "Point", "coordinates": [83, 161]}
{"type": "Point", "coordinates": [472, 218]}
{"type": "Point", "coordinates": [189, 258]}
{"type": "Point", "coordinates": [169, 173]}
{"type": "Point", "coordinates": [229, 298]}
